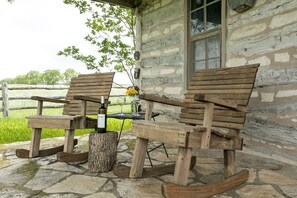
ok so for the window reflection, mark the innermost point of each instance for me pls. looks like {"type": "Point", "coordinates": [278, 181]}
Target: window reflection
{"type": "Point", "coordinates": [200, 50]}
{"type": "Point", "coordinates": [196, 4]}
{"type": "Point", "coordinates": [206, 53]}
{"type": "Point", "coordinates": [213, 46]}
{"type": "Point", "coordinates": [197, 22]}
{"type": "Point", "coordinates": [209, 1]}
{"type": "Point", "coordinates": [213, 15]}
{"type": "Point", "coordinates": [209, 8]}
{"type": "Point", "coordinates": [205, 45]}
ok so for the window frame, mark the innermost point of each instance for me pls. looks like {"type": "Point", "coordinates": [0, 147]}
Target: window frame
{"type": "Point", "coordinates": [188, 39]}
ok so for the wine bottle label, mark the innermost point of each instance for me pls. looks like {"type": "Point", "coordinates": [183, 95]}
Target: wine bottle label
{"type": "Point", "coordinates": [101, 121]}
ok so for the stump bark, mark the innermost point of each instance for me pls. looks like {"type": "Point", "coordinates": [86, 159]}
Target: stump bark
{"type": "Point", "coordinates": [102, 151]}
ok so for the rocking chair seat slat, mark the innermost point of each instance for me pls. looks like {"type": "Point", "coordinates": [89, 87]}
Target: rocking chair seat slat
{"type": "Point", "coordinates": [183, 135]}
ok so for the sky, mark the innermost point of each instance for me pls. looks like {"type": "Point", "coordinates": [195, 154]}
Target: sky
{"type": "Point", "coordinates": [32, 32]}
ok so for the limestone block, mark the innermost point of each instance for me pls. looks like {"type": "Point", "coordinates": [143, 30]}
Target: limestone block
{"type": "Point", "coordinates": [165, 42]}
{"type": "Point", "coordinates": [267, 97]}
{"type": "Point", "coordinates": [157, 5]}
{"type": "Point", "coordinates": [166, 30]}
{"type": "Point", "coordinates": [247, 31]}
{"type": "Point", "coordinates": [146, 72]}
{"type": "Point", "coordinates": [269, 76]}
{"type": "Point", "coordinates": [180, 71]}
{"type": "Point", "coordinates": [163, 15]}
{"type": "Point", "coordinates": [263, 60]}
{"type": "Point", "coordinates": [282, 57]}
{"type": "Point", "coordinates": [290, 147]}
{"type": "Point", "coordinates": [145, 37]}
{"type": "Point", "coordinates": [286, 93]}
{"type": "Point", "coordinates": [283, 19]}
{"type": "Point", "coordinates": [171, 50]}
{"type": "Point", "coordinates": [173, 90]}
{"type": "Point", "coordinates": [158, 89]}
{"type": "Point", "coordinates": [176, 26]}
{"type": "Point", "coordinates": [155, 53]}
{"type": "Point", "coordinates": [272, 41]}
{"type": "Point", "coordinates": [264, 10]}
{"type": "Point", "coordinates": [154, 34]}
{"type": "Point", "coordinates": [165, 2]}
{"type": "Point", "coordinates": [167, 71]}
{"type": "Point", "coordinates": [254, 94]}
{"type": "Point", "coordinates": [149, 90]}
{"type": "Point", "coordinates": [236, 61]}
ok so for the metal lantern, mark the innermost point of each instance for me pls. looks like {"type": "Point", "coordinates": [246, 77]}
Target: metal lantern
{"type": "Point", "coordinates": [241, 5]}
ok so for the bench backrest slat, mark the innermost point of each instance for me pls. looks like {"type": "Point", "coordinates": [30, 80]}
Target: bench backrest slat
{"type": "Point", "coordinates": [94, 85]}
{"type": "Point", "coordinates": [234, 83]}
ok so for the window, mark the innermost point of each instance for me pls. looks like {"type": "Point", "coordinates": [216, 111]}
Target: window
{"type": "Point", "coordinates": [204, 28]}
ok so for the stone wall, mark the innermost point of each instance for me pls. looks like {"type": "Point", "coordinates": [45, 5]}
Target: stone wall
{"type": "Point", "coordinates": [267, 34]}
{"type": "Point", "coordinates": [162, 50]}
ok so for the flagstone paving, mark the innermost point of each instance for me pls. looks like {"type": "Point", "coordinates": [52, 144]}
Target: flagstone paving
{"type": "Point", "coordinates": [45, 177]}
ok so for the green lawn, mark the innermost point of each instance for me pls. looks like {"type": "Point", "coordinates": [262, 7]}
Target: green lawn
{"type": "Point", "coordinates": [14, 128]}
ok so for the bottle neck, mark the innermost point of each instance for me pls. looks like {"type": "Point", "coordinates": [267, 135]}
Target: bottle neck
{"type": "Point", "coordinates": [102, 100]}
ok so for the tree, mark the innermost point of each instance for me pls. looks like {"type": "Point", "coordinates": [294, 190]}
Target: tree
{"type": "Point", "coordinates": [112, 32]}
{"type": "Point", "coordinates": [52, 77]}
{"type": "Point", "coordinates": [20, 79]}
{"type": "Point", "coordinates": [33, 77]}
{"type": "Point", "coordinates": [68, 74]}
{"type": "Point", "coordinates": [7, 80]}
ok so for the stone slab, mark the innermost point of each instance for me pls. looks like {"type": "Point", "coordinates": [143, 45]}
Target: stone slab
{"type": "Point", "coordinates": [46, 178]}
{"type": "Point", "coordinates": [259, 191]}
{"type": "Point", "coordinates": [79, 184]}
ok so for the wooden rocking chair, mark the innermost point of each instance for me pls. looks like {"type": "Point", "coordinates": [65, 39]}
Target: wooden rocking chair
{"type": "Point", "coordinates": [212, 115]}
{"type": "Point", "coordinates": [82, 99]}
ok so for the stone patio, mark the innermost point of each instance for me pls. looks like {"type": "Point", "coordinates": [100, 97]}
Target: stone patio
{"type": "Point", "coordinates": [45, 177]}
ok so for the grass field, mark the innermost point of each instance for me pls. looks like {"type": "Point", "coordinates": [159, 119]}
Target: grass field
{"type": "Point", "coordinates": [14, 128]}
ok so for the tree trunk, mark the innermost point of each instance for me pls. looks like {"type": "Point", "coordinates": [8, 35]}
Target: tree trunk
{"type": "Point", "coordinates": [102, 151]}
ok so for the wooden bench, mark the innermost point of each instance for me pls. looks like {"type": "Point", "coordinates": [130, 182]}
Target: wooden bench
{"type": "Point", "coordinates": [212, 115]}
{"type": "Point", "coordinates": [82, 99]}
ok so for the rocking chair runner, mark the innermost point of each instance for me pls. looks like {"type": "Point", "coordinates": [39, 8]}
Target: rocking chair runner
{"type": "Point", "coordinates": [216, 100]}
{"type": "Point", "coordinates": [82, 99]}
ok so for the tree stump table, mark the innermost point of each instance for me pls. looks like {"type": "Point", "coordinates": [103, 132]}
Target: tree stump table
{"type": "Point", "coordinates": [102, 151]}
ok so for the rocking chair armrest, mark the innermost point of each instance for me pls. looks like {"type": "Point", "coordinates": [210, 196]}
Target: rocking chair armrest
{"type": "Point", "coordinates": [89, 99]}
{"type": "Point", "coordinates": [39, 98]}
{"type": "Point", "coordinates": [161, 99]}
{"type": "Point", "coordinates": [220, 102]}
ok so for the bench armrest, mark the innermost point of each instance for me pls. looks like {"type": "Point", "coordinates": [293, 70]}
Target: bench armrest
{"type": "Point", "coordinates": [220, 102]}
{"type": "Point", "coordinates": [39, 98]}
{"type": "Point", "coordinates": [162, 100]}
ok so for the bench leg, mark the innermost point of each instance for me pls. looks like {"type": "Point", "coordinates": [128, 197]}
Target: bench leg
{"type": "Point", "coordinates": [35, 142]}
{"type": "Point", "coordinates": [182, 166]}
{"type": "Point", "coordinates": [138, 158]}
{"type": "Point", "coordinates": [69, 140]}
{"type": "Point", "coordinates": [229, 163]}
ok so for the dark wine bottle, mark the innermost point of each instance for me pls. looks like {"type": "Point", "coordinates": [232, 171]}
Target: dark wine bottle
{"type": "Point", "coordinates": [101, 122]}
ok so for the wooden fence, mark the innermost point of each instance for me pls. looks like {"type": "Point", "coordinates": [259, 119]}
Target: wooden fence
{"type": "Point", "coordinates": [15, 97]}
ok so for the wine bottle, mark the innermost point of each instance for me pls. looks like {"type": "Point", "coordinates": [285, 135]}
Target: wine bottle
{"type": "Point", "coordinates": [101, 122]}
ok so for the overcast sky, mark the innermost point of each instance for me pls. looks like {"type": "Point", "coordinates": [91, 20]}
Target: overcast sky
{"type": "Point", "coordinates": [33, 31]}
